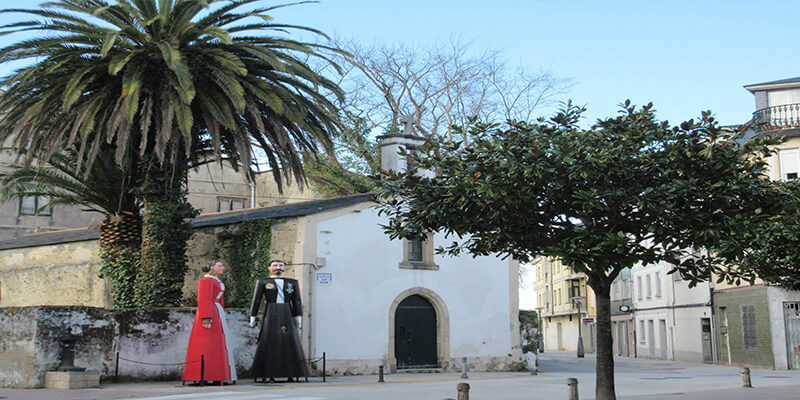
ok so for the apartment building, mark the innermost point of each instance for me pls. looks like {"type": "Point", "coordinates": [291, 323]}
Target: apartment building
{"type": "Point", "coordinates": [566, 304]}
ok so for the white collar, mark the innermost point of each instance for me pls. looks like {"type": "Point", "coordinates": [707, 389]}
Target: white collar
{"type": "Point", "coordinates": [212, 276]}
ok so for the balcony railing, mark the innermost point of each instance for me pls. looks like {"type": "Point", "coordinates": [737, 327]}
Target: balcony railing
{"type": "Point", "coordinates": [776, 118]}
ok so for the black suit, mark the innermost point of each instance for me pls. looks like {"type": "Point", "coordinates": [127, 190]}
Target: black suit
{"type": "Point", "coordinates": [279, 353]}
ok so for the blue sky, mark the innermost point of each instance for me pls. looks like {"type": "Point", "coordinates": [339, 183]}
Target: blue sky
{"type": "Point", "coordinates": [685, 56]}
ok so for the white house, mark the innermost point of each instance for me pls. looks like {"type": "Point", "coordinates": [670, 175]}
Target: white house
{"type": "Point", "coordinates": [672, 320]}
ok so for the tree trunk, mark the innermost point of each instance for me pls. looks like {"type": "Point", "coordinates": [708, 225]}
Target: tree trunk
{"type": "Point", "coordinates": [604, 376]}
{"type": "Point", "coordinates": [120, 239]}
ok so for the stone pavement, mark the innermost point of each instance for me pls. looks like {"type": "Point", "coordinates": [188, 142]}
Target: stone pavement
{"type": "Point", "coordinates": [636, 379]}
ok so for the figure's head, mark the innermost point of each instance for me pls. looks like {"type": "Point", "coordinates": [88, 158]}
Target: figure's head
{"type": "Point", "coordinates": [214, 268]}
{"type": "Point", "coordinates": [276, 267]}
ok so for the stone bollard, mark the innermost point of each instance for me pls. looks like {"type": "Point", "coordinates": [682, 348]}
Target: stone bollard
{"type": "Point", "coordinates": [572, 389]}
{"type": "Point", "coordinates": [746, 377]}
{"type": "Point", "coordinates": [463, 391]}
{"type": "Point", "coordinates": [464, 368]}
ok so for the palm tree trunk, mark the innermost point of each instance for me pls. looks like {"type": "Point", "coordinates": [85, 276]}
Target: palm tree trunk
{"type": "Point", "coordinates": [604, 376]}
{"type": "Point", "coordinates": [120, 238]}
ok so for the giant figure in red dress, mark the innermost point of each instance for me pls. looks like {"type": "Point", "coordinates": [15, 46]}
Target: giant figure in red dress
{"type": "Point", "coordinates": [208, 332]}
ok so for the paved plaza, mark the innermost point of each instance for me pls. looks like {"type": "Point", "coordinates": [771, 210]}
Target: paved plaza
{"type": "Point", "coordinates": [637, 379]}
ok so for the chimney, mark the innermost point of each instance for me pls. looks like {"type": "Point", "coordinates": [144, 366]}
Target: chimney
{"type": "Point", "coordinates": [391, 144]}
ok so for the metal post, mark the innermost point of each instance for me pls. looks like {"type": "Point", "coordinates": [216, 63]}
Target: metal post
{"type": "Point", "coordinates": [572, 389]}
{"type": "Point", "coordinates": [463, 391]}
{"type": "Point", "coordinates": [202, 369]}
{"type": "Point", "coordinates": [380, 373]}
{"type": "Point", "coordinates": [464, 368]}
{"type": "Point", "coordinates": [116, 369]}
{"type": "Point", "coordinates": [323, 366]}
{"type": "Point", "coordinates": [580, 333]}
{"type": "Point", "coordinates": [746, 377]}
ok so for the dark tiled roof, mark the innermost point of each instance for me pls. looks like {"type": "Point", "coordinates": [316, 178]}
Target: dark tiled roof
{"type": "Point", "coordinates": [286, 210]}
{"type": "Point", "coordinates": [203, 220]}
{"type": "Point", "coordinates": [778, 82]}
{"type": "Point", "coordinates": [44, 238]}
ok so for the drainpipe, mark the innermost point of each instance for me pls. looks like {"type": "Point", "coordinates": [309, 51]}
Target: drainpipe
{"type": "Point", "coordinates": [252, 194]}
{"type": "Point", "coordinates": [672, 311]}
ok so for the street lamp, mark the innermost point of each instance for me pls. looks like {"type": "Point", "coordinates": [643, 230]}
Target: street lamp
{"type": "Point", "coordinates": [577, 301]}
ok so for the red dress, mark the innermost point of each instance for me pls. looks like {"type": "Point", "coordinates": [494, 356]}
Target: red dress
{"type": "Point", "coordinates": [211, 343]}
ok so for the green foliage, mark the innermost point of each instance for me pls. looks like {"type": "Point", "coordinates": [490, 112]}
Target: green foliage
{"type": "Point", "coordinates": [121, 266]}
{"type": "Point", "coordinates": [247, 257]}
{"type": "Point", "coordinates": [165, 230]}
{"type": "Point", "coordinates": [629, 190]}
{"type": "Point", "coordinates": [330, 179]}
{"type": "Point", "coordinates": [528, 318]}
{"type": "Point", "coordinates": [148, 75]}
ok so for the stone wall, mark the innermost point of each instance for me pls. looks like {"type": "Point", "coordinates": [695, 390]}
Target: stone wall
{"type": "Point", "coordinates": [58, 274]}
{"type": "Point", "coordinates": [155, 339]}
{"type": "Point", "coordinates": [68, 274]}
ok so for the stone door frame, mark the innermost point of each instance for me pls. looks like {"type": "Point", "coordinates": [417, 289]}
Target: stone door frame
{"type": "Point", "coordinates": [442, 326]}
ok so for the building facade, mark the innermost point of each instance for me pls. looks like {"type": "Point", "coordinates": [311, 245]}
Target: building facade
{"type": "Point", "coordinates": [673, 321]}
{"type": "Point", "coordinates": [566, 306]}
{"type": "Point", "coordinates": [758, 324]}
{"type": "Point", "coordinates": [623, 328]}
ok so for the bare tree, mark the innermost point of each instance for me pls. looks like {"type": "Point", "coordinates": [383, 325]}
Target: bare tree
{"type": "Point", "coordinates": [438, 86]}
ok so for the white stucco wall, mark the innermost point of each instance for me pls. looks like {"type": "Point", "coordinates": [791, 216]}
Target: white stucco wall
{"type": "Point", "coordinates": [351, 314]}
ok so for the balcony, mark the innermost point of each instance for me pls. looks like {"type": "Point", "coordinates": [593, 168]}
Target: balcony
{"type": "Point", "coordinates": [777, 118]}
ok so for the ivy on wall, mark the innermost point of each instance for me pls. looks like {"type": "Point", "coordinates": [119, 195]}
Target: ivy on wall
{"type": "Point", "coordinates": [248, 252]}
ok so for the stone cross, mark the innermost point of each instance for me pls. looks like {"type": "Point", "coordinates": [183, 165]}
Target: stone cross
{"type": "Point", "coordinates": [408, 124]}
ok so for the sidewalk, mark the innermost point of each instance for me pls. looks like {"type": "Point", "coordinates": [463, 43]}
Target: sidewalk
{"type": "Point", "coordinates": [636, 379]}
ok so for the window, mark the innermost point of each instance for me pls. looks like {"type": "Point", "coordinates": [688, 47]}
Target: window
{"type": "Point", "coordinates": [415, 250]}
{"type": "Point", "coordinates": [749, 331]}
{"type": "Point", "coordinates": [639, 287]}
{"type": "Point", "coordinates": [574, 288]}
{"type": "Point", "coordinates": [29, 205]}
{"type": "Point", "coordinates": [649, 288]}
{"type": "Point", "coordinates": [418, 254]}
{"type": "Point", "coordinates": [658, 284]}
{"type": "Point", "coordinates": [641, 331]}
{"type": "Point", "coordinates": [789, 164]}
{"type": "Point", "coordinates": [558, 298]}
{"type": "Point", "coordinates": [230, 203]}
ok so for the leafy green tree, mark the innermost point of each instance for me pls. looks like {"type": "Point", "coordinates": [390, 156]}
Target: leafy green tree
{"type": "Point", "coordinates": [166, 82]}
{"type": "Point", "coordinates": [102, 187]}
{"type": "Point", "coordinates": [628, 190]}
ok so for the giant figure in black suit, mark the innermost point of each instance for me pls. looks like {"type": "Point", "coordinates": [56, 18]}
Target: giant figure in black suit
{"type": "Point", "coordinates": [279, 353]}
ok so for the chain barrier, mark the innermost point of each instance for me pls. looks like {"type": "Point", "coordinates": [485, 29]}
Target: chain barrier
{"type": "Point", "coordinates": [202, 365]}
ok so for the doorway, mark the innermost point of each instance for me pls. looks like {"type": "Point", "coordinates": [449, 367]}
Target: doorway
{"type": "Point", "coordinates": [708, 357]}
{"type": "Point", "coordinates": [415, 333]}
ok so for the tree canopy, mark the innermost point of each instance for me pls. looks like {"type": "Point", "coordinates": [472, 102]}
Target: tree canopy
{"type": "Point", "coordinates": [629, 190]}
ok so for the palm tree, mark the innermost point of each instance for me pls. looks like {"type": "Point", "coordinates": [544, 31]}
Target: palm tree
{"type": "Point", "coordinates": [166, 82]}
{"type": "Point", "coordinates": [104, 188]}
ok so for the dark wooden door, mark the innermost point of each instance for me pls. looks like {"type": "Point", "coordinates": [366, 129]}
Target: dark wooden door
{"type": "Point", "coordinates": [415, 334]}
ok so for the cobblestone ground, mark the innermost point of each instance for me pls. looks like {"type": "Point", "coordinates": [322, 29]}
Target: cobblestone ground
{"type": "Point", "coordinates": [636, 379]}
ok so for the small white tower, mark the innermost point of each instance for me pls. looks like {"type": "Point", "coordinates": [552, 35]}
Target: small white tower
{"type": "Point", "coordinates": [390, 145]}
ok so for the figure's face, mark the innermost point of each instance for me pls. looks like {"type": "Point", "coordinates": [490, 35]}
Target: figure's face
{"type": "Point", "coordinates": [218, 269]}
{"type": "Point", "coordinates": [277, 268]}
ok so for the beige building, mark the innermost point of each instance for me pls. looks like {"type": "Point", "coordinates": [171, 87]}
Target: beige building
{"type": "Point", "coordinates": [212, 188]}
{"type": "Point", "coordinates": [560, 291]}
